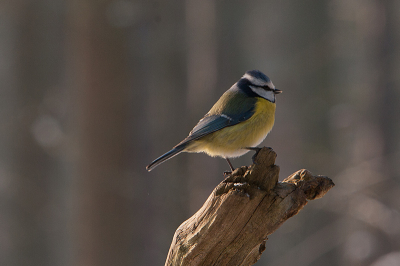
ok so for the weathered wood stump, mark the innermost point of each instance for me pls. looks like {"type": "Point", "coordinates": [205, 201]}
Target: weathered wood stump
{"type": "Point", "coordinates": [232, 226]}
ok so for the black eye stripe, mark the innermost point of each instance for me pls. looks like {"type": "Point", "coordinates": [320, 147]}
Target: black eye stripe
{"type": "Point", "coordinates": [265, 87]}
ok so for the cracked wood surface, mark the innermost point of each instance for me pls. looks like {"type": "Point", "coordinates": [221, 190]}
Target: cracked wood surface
{"type": "Point", "coordinates": [232, 226]}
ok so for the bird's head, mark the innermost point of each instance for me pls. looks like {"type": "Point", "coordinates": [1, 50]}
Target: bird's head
{"type": "Point", "coordinates": [260, 85]}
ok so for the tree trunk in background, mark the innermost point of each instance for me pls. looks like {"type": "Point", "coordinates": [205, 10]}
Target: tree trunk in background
{"type": "Point", "coordinates": [99, 68]}
{"type": "Point", "coordinates": [202, 75]}
{"type": "Point", "coordinates": [32, 223]}
{"type": "Point", "coordinates": [387, 43]}
{"type": "Point", "coordinates": [364, 125]}
{"type": "Point", "coordinates": [29, 161]}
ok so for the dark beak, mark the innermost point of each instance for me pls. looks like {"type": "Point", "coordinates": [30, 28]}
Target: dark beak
{"type": "Point", "coordinates": [276, 91]}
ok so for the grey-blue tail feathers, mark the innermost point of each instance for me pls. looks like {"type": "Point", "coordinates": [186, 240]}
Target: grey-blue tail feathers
{"type": "Point", "coordinates": [175, 151]}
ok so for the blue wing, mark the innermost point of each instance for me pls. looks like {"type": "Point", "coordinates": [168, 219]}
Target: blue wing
{"type": "Point", "coordinates": [212, 123]}
{"type": "Point", "coordinates": [236, 107]}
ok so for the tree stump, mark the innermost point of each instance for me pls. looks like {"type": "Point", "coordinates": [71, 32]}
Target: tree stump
{"type": "Point", "coordinates": [232, 226]}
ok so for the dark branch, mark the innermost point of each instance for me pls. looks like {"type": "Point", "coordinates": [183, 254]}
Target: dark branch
{"type": "Point", "coordinates": [233, 224]}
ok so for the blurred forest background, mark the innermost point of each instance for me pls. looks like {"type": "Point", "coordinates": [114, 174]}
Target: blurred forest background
{"type": "Point", "coordinates": [94, 90]}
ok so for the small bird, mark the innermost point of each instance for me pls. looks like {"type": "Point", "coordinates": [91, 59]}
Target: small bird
{"type": "Point", "coordinates": [237, 123]}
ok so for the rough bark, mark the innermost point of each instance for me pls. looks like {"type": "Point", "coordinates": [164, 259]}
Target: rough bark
{"type": "Point", "coordinates": [232, 226]}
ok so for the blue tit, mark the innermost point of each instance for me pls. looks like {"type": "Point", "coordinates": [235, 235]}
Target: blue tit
{"type": "Point", "coordinates": [237, 123]}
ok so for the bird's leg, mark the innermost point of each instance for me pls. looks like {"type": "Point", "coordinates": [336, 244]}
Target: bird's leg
{"type": "Point", "coordinates": [230, 165]}
{"type": "Point", "coordinates": [256, 149]}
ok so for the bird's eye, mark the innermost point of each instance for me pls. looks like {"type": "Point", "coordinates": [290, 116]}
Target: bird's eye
{"type": "Point", "coordinates": [266, 87]}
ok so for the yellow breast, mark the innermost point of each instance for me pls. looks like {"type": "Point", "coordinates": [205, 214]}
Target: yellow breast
{"type": "Point", "coordinates": [230, 141]}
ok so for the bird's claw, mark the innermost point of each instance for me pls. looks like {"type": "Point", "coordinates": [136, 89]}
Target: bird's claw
{"type": "Point", "coordinates": [226, 173]}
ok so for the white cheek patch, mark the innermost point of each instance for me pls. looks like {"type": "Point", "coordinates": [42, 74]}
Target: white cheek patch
{"type": "Point", "coordinates": [266, 94]}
